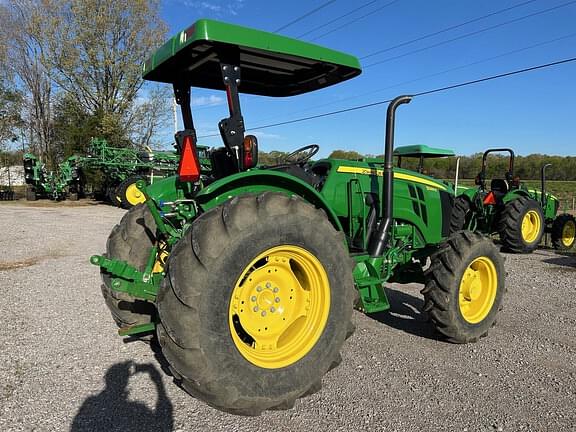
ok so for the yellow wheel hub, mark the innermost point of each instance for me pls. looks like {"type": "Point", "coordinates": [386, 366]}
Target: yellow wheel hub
{"type": "Point", "coordinates": [134, 195]}
{"type": "Point", "coordinates": [279, 307]}
{"type": "Point", "coordinates": [531, 224]}
{"type": "Point", "coordinates": [478, 289]}
{"type": "Point", "coordinates": [568, 233]}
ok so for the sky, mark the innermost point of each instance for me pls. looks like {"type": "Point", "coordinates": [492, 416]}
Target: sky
{"type": "Point", "coordinates": [532, 113]}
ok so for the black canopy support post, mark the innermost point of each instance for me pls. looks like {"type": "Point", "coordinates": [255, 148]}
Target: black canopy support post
{"type": "Point", "coordinates": [379, 240]}
{"type": "Point", "coordinates": [543, 198]}
{"type": "Point", "coordinates": [182, 96]}
{"type": "Point", "coordinates": [232, 128]}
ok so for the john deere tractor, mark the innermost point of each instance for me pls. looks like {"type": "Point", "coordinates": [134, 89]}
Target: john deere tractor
{"type": "Point", "coordinates": [518, 214]}
{"type": "Point", "coordinates": [248, 275]}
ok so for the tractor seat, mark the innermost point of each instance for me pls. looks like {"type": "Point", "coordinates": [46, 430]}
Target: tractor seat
{"type": "Point", "coordinates": [499, 187]}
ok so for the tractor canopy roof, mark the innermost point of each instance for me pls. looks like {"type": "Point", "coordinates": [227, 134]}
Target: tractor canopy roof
{"type": "Point", "coordinates": [270, 64]}
{"type": "Point", "coordinates": [425, 151]}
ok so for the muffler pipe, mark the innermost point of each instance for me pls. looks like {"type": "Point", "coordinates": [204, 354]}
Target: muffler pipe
{"type": "Point", "coordinates": [379, 239]}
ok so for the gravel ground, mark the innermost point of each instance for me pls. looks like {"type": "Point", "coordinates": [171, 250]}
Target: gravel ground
{"type": "Point", "coordinates": [62, 367]}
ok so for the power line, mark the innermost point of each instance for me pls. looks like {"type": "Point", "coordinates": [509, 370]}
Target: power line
{"type": "Point", "coordinates": [435, 74]}
{"type": "Point", "coordinates": [453, 27]}
{"type": "Point", "coordinates": [423, 93]}
{"type": "Point", "coordinates": [470, 34]}
{"type": "Point", "coordinates": [337, 19]}
{"type": "Point", "coordinates": [306, 15]}
{"type": "Point", "coordinates": [355, 20]}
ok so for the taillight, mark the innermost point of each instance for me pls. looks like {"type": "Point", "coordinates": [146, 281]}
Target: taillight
{"type": "Point", "coordinates": [189, 166]}
{"type": "Point", "coordinates": [250, 153]}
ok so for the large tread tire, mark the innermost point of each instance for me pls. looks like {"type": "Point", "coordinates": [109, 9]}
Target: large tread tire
{"type": "Point", "coordinates": [443, 284]}
{"type": "Point", "coordinates": [130, 241]}
{"type": "Point", "coordinates": [509, 225]}
{"type": "Point", "coordinates": [122, 191]}
{"type": "Point", "coordinates": [31, 194]}
{"type": "Point", "coordinates": [562, 232]}
{"type": "Point", "coordinates": [460, 214]}
{"type": "Point", "coordinates": [194, 300]}
{"type": "Point", "coordinates": [113, 195]}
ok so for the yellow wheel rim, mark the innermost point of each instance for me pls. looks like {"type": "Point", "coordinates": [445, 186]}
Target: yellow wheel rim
{"type": "Point", "coordinates": [134, 195]}
{"type": "Point", "coordinates": [478, 289]}
{"type": "Point", "coordinates": [279, 307]}
{"type": "Point", "coordinates": [568, 233]}
{"type": "Point", "coordinates": [531, 224]}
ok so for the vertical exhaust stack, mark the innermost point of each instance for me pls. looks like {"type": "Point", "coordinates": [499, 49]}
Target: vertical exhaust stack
{"type": "Point", "coordinates": [543, 186]}
{"type": "Point", "coordinates": [379, 239]}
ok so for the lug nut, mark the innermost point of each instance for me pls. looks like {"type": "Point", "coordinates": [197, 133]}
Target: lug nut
{"type": "Point", "coordinates": [268, 284]}
{"type": "Point", "coordinates": [277, 299]}
{"type": "Point", "coordinates": [272, 309]}
{"type": "Point", "coordinates": [263, 313]}
{"type": "Point", "coordinates": [253, 298]}
{"type": "Point", "coordinates": [258, 288]}
{"type": "Point", "coordinates": [255, 309]}
{"type": "Point", "coordinates": [276, 289]}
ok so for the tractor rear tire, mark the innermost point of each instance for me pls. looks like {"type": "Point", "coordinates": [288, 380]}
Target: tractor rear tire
{"type": "Point", "coordinates": [130, 241]}
{"type": "Point", "coordinates": [564, 232]}
{"type": "Point", "coordinates": [128, 193]}
{"type": "Point", "coordinates": [31, 194]}
{"type": "Point", "coordinates": [521, 225]}
{"type": "Point", "coordinates": [465, 286]}
{"type": "Point", "coordinates": [460, 214]}
{"type": "Point", "coordinates": [214, 321]}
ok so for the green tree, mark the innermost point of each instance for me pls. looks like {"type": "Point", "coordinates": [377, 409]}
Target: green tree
{"type": "Point", "coordinates": [345, 154]}
{"type": "Point", "coordinates": [94, 51]}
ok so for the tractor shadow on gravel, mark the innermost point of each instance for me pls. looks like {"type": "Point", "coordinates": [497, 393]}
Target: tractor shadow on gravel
{"type": "Point", "coordinates": [565, 259]}
{"type": "Point", "coordinates": [405, 315]}
{"type": "Point", "coordinates": [112, 410]}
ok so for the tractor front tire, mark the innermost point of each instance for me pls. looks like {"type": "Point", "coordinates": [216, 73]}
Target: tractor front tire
{"type": "Point", "coordinates": [564, 232]}
{"type": "Point", "coordinates": [465, 286]}
{"type": "Point", "coordinates": [129, 194]}
{"type": "Point", "coordinates": [131, 241]}
{"type": "Point", "coordinates": [460, 214]}
{"type": "Point", "coordinates": [521, 225]}
{"type": "Point", "coordinates": [256, 303]}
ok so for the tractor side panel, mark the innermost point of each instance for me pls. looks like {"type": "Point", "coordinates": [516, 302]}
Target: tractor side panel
{"type": "Point", "coordinates": [418, 200]}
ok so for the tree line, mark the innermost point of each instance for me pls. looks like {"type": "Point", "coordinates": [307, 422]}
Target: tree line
{"type": "Point", "coordinates": [562, 168]}
{"type": "Point", "coordinates": [70, 70]}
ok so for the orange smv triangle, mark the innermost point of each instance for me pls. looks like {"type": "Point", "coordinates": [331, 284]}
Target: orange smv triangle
{"type": "Point", "coordinates": [189, 168]}
{"type": "Point", "coordinates": [490, 199]}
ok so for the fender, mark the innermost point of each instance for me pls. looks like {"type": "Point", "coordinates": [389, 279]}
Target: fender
{"type": "Point", "coordinates": [515, 194]}
{"type": "Point", "coordinates": [258, 181]}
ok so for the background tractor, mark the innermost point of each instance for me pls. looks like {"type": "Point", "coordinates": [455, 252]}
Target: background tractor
{"type": "Point", "coordinates": [519, 215]}
{"type": "Point", "coordinates": [248, 275]}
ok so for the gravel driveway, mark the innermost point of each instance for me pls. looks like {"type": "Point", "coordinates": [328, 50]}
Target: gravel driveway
{"type": "Point", "coordinates": [62, 367]}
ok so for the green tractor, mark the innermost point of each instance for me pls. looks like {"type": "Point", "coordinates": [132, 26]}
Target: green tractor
{"type": "Point", "coordinates": [518, 214]}
{"type": "Point", "coordinates": [422, 153]}
{"type": "Point", "coordinates": [248, 275]}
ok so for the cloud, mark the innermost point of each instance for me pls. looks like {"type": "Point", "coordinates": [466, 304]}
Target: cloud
{"type": "Point", "coordinates": [216, 7]}
{"type": "Point", "coordinates": [265, 135]}
{"type": "Point", "coordinates": [211, 100]}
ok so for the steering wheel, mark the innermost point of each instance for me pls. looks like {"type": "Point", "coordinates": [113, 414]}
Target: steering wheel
{"type": "Point", "coordinates": [301, 155]}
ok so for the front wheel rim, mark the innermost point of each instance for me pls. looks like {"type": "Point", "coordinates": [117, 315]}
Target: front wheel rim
{"type": "Point", "coordinates": [279, 307]}
{"type": "Point", "coordinates": [478, 289]}
{"type": "Point", "coordinates": [531, 224]}
{"type": "Point", "coordinates": [569, 233]}
{"type": "Point", "coordinates": [134, 195]}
